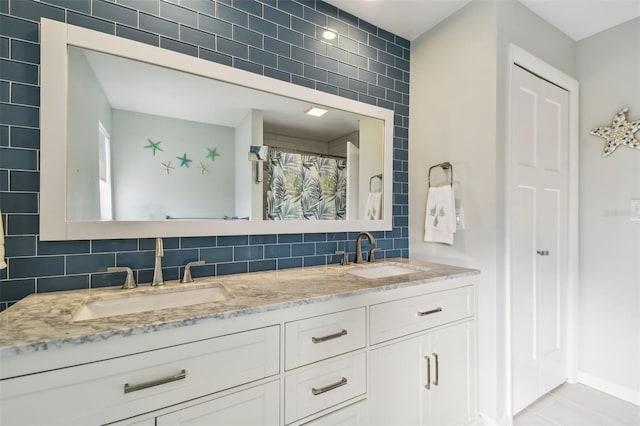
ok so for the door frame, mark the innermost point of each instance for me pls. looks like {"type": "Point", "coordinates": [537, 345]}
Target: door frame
{"type": "Point", "coordinates": [526, 60]}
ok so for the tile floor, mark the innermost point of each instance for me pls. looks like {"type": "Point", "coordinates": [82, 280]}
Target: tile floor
{"type": "Point", "coordinates": [578, 405]}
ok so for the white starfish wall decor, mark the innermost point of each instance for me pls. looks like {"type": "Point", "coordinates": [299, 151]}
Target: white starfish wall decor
{"type": "Point", "coordinates": [621, 132]}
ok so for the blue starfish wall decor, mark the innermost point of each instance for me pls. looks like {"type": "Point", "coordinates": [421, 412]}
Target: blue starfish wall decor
{"type": "Point", "coordinates": [621, 132]}
{"type": "Point", "coordinates": [154, 146]}
{"type": "Point", "coordinates": [184, 161]}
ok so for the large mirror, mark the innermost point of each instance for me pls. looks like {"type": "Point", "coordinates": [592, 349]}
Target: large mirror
{"type": "Point", "coordinates": [139, 141]}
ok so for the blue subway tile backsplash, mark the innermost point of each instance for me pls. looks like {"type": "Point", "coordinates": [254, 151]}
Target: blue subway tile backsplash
{"type": "Point", "coordinates": [24, 159]}
{"type": "Point", "coordinates": [62, 247]}
{"type": "Point", "coordinates": [82, 6]}
{"type": "Point", "coordinates": [34, 12]}
{"type": "Point", "coordinates": [90, 22]}
{"type": "Point", "coordinates": [158, 25]}
{"type": "Point", "coordinates": [25, 94]}
{"type": "Point", "coordinates": [18, 72]}
{"type": "Point", "coordinates": [4, 91]}
{"type": "Point", "coordinates": [276, 38]}
{"type": "Point", "coordinates": [19, 29]}
{"type": "Point", "coordinates": [25, 51]}
{"type": "Point", "coordinates": [4, 47]}
{"type": "Point", "coordinates": [114, 12]}
{"type": "Point", "coordinates": [21, 245]}
{"type": "Point", "coordinates": [176, 13]}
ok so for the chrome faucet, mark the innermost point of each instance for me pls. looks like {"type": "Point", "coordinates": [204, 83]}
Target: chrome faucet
{"type": "Point", "coordinates": [359, 247]}
{"type": "Point", "coordinates": [187, 278]}
{"type": "Point", "coordinates": [157, 270]}
{"type": "Point", "coordinates": [129, 282]}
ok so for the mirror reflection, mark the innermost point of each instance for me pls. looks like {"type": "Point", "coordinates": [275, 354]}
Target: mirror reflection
{"type": "Point", "coordinates": [152, 143]}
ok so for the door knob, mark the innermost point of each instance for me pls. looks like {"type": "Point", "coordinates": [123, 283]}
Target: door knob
{"type": "Point", "coordinates": [543, 252]}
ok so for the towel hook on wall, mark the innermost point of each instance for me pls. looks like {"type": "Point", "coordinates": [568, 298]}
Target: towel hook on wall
{"type": "Point", "coordinates": [375, 177]}
{"type": "Point", "coordinates": [445, 166]}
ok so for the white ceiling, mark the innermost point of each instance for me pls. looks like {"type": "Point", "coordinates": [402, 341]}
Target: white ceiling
{"type": "Point", "coordinates": [411, 18]}
{"type": "Point", "coordinates": [170, 93]}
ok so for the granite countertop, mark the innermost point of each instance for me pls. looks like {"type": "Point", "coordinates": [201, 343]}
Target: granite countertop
{"type": "Point", "coordinates": [42, 321]}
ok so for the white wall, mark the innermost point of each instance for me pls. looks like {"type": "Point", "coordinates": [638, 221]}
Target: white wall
{"type": "Point", "coordinates": [453, 118]}
{"type": "Point", "coordinates": [609, 344]}
{"type": "Point", "coordinates": [87, 106]}
{"type": "Point", "coordinates": [338, 146]}
{"type": "Point", "coordinates": [458, 114]}
{"type": "Point", "coordinates": [142, 190]}
{"type": "Point", "coordinates": [295, 144]}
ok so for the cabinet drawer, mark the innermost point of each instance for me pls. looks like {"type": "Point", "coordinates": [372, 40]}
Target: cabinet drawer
{"type": "Point", "coordinates": [322, 337]}
{"type": "Point", "coordinates": [324, 385]}
{"type": "Point", "coordinates": [401, 317]}
{"type": "Point", "coordinates": [257, 406]}
{"type": "Point", "coordinates": [122, 387]}
{"type": "Point", "coordinates": [352, 415]}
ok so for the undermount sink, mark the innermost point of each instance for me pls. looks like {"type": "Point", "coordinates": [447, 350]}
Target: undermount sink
{"type": "Point", "coordinates": [151, 301]}
{"type": "Point", "coordinates": [386, 270]}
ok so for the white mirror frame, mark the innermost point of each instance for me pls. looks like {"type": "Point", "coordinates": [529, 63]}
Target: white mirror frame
{"type": "Point", "coordinates": [54, 225]}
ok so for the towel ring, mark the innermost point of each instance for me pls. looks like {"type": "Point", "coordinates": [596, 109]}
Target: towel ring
{"type": "Point", "coordinates": [445, 166]}
{"type": "Point", "coordinates": [375, 177]}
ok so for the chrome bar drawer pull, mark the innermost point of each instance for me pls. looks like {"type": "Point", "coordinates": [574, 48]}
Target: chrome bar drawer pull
{"type": "Point", "coordinates": [329, 337]}
{"type": "Point", "coordinates": [428, 385]}
{"type": "Point", "coordinates": [333, 386]}
{"type": "Point", "coordinates": [133, 388]}
{"type": "Point", "coordinates": [432, 311]}
{"type": "Point", "coordinates": [435, 357]}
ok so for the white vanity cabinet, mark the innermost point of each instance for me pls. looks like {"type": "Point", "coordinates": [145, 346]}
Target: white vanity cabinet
{"type": "Point", "coordinates": [398, 355]}
{"type": "Point", "coordinates": [429, 377]}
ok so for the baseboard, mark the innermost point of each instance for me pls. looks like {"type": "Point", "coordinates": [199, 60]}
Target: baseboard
{"type": "Point", "coordinates": [611, 388]}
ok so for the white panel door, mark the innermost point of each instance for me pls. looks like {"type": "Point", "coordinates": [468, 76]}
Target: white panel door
{"type": "Point", "coordinates": [539, 163]}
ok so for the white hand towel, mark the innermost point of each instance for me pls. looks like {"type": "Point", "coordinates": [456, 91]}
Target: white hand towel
{"type": "Point", "coordinates": [440, 218]}
{"type": "Point", "coordinates": [3, 264]}
{"type": "Point", "coordinates": [373, 208]}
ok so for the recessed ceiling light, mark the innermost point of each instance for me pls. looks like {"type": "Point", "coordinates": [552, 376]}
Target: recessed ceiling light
{"type": "Point", "coordinates": [316, 111]}
{"type": "Point", "coordinates": [329, 35]}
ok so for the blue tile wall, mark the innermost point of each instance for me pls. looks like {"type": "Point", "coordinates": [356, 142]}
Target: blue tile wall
{"type": "Point", "coordinates": [277, 38]}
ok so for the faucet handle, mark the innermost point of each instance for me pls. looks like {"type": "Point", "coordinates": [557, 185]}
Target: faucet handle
{"type": "Point", "coordinates": [187, 278]}
{"type": "Point", "coordinates": [345, 257]}
{"type": "Point", "coordinates": [372, 254]}
{"type": "Point", "coordinates": [129, 282]}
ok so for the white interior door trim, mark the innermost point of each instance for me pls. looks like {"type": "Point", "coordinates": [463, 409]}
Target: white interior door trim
{"type": "Point", "coordinates": [537, 66]}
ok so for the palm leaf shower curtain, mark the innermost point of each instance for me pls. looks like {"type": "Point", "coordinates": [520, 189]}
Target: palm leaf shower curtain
{"type": "Point", "coordinates": [306, 187]}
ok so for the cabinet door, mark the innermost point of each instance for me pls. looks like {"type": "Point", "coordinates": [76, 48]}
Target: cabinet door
{"type": "Point", "coordinates": [396, 384]}
{"type": "Point", "coordinates": [450, 399]}
{"type": "Point", "coordinates": [251, 407]}
{"type": "Point", "coordinates": [400, 372]}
